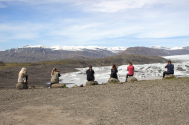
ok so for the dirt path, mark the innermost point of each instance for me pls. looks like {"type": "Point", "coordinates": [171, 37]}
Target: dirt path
{"type": "Point", "coordinates": [159, 102]}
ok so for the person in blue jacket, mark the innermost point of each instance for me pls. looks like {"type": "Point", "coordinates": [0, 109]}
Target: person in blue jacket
{"type": "Point", "coordinates": [170, 69]}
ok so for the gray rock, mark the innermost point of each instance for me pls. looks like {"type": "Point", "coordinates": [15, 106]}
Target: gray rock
{"type": "Point", "coordinates": [81, 85]}
{"type": "Point", "coordinates": [20, 86]}
{"type": "Point", "coordinates": [104, 83]}
{"type": "Point", "coordinates": [90, 83]}
{"type": "Point", "coordinates": [58, 85]}
{"type": "Point", "coordinates": [113, 80]}
{"type": "Point", "coordinates": [31, 87]}
{"type": "Point", "coordinates": [170, 76]}
{"type": "Point", "coordinates": [120, 83]}
{"type": "Point", "coordinates": [74, 86]}
{"type": "Point", "coordinates": [131, 78]}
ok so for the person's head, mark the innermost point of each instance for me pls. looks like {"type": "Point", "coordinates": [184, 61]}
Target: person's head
{"type": "Point", "coordinates": [54, 70]}
{"type": "Point", "coordinates": [130, 63]}
{"type": "Point", "coordinates": [113, 66]}
{"type": "Point", "coordinates": [169, 62]}
{"type": "Point", "coordinates": [90, 67]}
{"type": "Point", "coordinates": [23, 70]}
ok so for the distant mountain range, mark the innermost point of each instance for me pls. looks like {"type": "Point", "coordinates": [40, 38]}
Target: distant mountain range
{"type": "Point", "coordinates": [155, 51]}
{"type": "Point", "coordinates": [43, 53]}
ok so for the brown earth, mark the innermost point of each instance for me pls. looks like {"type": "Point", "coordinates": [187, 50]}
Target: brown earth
{"type": "Point", "coordinates": [157, 102]}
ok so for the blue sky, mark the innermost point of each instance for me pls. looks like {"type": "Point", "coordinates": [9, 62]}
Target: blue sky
{"type": "Point", "coordinates": [109, 23]}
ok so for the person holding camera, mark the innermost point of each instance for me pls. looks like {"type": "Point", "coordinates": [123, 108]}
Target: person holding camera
{"type": "Point", "coordinates": [170, 69]}
{"type": "Point", "coordinates": [55, 74]}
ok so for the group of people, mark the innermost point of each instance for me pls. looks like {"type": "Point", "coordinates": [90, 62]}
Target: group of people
{"type": "Point", "coordinates": [90, 72]}
{"type": "Point", "coordinates": [55, 74]}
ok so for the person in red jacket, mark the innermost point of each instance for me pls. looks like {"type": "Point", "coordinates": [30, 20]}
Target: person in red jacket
{"type": "Point", "coordinates": [130, 70]}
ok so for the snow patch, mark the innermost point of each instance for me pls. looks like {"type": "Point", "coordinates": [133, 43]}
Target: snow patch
{"type": "Point", "coordinates": [82, 48]}
{"type": "Point", "coordinates": [170, 48]}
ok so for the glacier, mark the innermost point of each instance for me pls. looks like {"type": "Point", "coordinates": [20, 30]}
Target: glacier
{"type": "Point", "coordinates": [142, 72]}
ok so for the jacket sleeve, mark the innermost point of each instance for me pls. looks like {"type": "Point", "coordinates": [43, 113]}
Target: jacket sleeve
{"type": "Point", "coordinates": [111, 71]}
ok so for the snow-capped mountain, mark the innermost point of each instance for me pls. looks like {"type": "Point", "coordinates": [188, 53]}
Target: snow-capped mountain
{"type": "Point", "coordinates": [80, 48]}
{"type": "Point", "coordinates": [42, 53]}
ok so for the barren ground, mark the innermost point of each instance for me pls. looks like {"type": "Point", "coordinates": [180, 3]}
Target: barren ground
{"type": "Point", "coordinates": [157, 102]}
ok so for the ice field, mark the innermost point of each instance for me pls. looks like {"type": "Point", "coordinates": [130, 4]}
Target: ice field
{"type": "Point", "coordinates": [142, 72]}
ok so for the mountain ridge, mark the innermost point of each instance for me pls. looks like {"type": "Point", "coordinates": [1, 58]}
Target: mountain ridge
{"type": "Point", "coordinates": [154, 51]}
{"type": "Point", "coordinates": [42, 53]}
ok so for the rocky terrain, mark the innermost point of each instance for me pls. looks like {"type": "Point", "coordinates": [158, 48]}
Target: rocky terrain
{"type": "Point", "coordinates": [39, 73]}
{"type": "Point", "coordinates": [156, 102]}
{"type": "Point", "coordinates": [154, 51]}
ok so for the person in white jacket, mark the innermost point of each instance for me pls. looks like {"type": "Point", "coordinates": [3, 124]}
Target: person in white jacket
{"type": "Point", "coordinates": [23, 76]}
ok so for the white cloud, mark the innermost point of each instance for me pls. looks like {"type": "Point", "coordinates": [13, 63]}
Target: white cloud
{"type": "Point", "coordinates": [113, 6]}
{"type": "Point", "coordinates": [104, 19]}
{"type": "Point", "coordinates": [21, 31]}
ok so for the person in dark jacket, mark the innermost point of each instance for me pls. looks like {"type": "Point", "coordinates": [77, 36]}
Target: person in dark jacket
{"type": "Point", "coordinates": [170, 69]}
{"type": "Point", "coordinates": [114, 72]}
{"type": "Point", "coordinates": [90, 74]}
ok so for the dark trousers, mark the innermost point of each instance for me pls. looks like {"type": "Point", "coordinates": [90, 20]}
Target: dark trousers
{"type": "Point", "coordinates": [51, 84]}
{"type": "Point", "coordinates": [90, 79]}
{"type": "Point", "coordinates": [128, 76]}
{"type": "Point", "coordinates": [166, 73]}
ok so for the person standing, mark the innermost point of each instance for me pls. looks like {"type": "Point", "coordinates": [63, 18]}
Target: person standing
{"type": "Point", "coordinates": [170, 69]}
{"type": "Point", "coordinates": [55, 74]}
{"type": "Point", "coordinates": [114, 72]}
{"type": "Point", "coordinates": [130, 70]}
{"type": "Point", "coordinates": [90, 74]}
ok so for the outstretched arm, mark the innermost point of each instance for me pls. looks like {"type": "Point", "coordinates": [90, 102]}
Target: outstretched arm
{"type": "Point", "coordinates": [166, 65]}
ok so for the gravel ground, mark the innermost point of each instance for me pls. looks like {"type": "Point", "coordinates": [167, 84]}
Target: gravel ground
{"type": "Point", "coordinates": [156, 102]}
